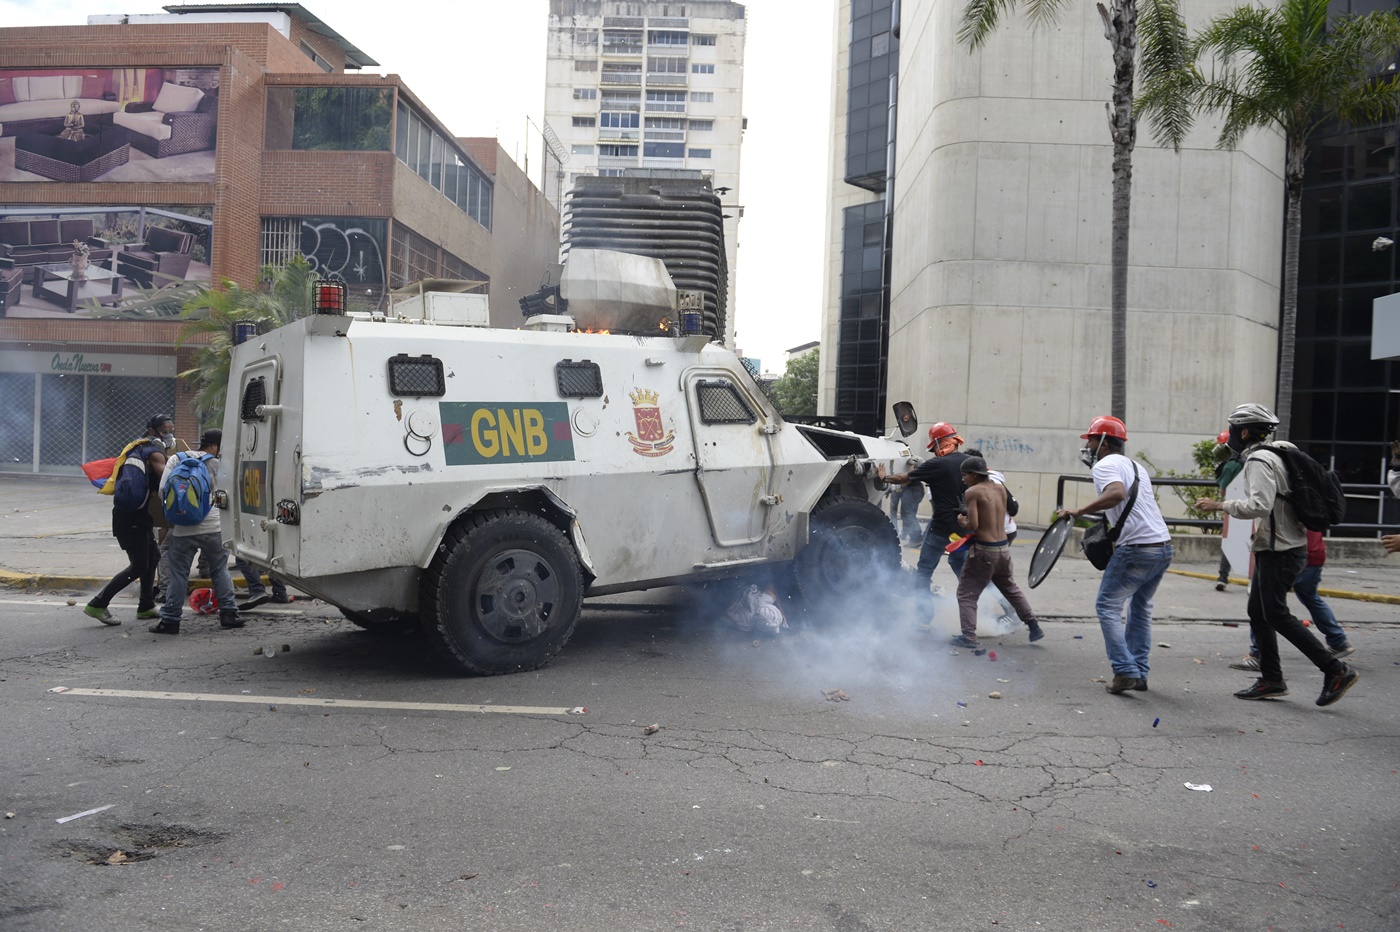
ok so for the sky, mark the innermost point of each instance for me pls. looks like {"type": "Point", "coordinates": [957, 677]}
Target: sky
{"type": "Point", "coordinates": [480, 69]}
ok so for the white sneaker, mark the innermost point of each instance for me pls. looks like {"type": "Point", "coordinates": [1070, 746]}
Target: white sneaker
{"type": "Point", "coordinates": [1342, 651]}
{"type": "Point", "coordinates": [1248, 663]}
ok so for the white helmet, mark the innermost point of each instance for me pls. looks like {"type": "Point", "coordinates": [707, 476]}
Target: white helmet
{"type": "Point", "coordinates": [1253, 415]}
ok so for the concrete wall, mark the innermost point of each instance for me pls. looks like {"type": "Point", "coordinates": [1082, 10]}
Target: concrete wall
{"type": "Point", "coordinates": [1000, 305]}
{"type": "Point", "coordinates": [524, 239]}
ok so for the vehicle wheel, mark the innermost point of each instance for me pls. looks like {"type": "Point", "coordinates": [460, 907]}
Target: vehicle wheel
{"type": "Point", "coordinates": [503, 593]}
{"type": "Point", "coordinates": [382, 621]}
{"type": "Point", "coordinates": [853, 552]}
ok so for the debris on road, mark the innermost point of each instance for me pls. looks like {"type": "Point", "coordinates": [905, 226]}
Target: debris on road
{"type": "Point", "coordinates": [577, 710]}
{"type": "Point", "coordinates": [994, 695]}
{"type": "Point", "coordinates": [1199, 787]}
{"type": "Point", "coordinates": [1164, 644]}
{"type": "Point", "coordinates": [87, 813]}
{"type": "Point", "coordinates": [1156, 722]}
{"type": "Point", "coordinates": [651, 729]}
{"type": "Point", "coordinates": [835, 695]}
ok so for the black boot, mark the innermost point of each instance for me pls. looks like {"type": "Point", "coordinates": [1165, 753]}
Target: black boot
{"type": "Point", "coordinates": [228, 618]}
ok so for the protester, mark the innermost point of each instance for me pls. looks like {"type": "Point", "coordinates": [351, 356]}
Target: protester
{"type": "Point", "coordinates": [942, 473]}
{"type": "Point", "coordinates": [1141, 554]}
{"type": "Point", "coordinates": [1007, 615]}
{"type": "Point", "coordinates": [990, 557]}
{"type": "Point", "coordinates": [1391, 542]}
{"type": "Point", "coordinates": [1280, 556]}
{"type": "Point", "coordinates": [257, 592]}
{"type": "Point", "coordinates": [205, 537]}
{"type": "Point", "coordinates": [133, 527]}
{"type": "Point", "coordinates": [905, 504]}
{"type": "Point", "coordinates": [1227, 467]}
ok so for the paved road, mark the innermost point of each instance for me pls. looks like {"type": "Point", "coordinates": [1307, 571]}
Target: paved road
{"type": "Point", "coordinates": [757, 805]}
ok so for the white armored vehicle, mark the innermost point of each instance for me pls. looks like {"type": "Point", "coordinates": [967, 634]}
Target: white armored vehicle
{"type": "Point", "coordinates": [419, 465]}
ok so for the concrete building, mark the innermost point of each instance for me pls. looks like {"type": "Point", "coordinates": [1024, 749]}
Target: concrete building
{"type": "Point", "coordinates": [998, 260]}
{"type": "Point", "coordinates": [219, 138]}
{"type": "Point", "coordinates": [638, 86]}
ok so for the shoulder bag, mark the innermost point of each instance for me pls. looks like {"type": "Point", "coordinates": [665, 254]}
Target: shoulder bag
{"type": "Point", "coordinates": [1099, 539]}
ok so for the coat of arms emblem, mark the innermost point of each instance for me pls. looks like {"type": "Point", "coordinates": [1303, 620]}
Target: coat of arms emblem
{"type": "Point", "coordinates": [651, 438]}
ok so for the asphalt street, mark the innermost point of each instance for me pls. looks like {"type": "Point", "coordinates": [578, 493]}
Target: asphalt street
{"type": "Point", "coordinates": [350, 781]}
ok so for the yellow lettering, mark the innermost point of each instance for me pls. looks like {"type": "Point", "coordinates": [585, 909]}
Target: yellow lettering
{"type": "Point", "coordinates": [510, 431]}
{"type": "Point", "coordinates": [535, 439]}
{"type": "Point", "coordinates": [485, 440]}
{"type": "Point", "coordinates": [252, 487]}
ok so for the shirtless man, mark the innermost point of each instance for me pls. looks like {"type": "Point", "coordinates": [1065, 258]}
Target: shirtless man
{"type": "Point", "coordinates": [990, 559]}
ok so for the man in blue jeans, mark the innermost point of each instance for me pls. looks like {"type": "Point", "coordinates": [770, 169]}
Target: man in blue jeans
{"type": "Point", "coordinates": [1141, 554]}
{"type": "Point", "coordinates": [188, 540]}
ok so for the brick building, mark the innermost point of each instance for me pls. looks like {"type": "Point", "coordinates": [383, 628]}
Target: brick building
{"type": "Point", "coordinates": [215, 139]}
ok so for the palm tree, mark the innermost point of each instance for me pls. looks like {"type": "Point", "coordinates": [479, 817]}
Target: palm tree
{"type": "Point", "coordinates": [1120, 22]}
{"type": "Point", "coordinates": [284, 295]}
{"type": "Point", "coordinates": [1287, 69]}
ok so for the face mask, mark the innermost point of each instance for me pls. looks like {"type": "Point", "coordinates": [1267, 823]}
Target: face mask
{"type": "Point", "coordinates": [1087, 456]}
{"type": "Point", "coordinates": [168, 440]}
{"type": "Point", "coordinates": [1236, 442]}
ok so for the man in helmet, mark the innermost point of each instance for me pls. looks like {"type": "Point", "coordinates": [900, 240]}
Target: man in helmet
{"type": "Point", "coordinates": [1141, 554]}
{"type": "Point", "coordinates": [1280, 555]}
{"type": "Point", "coordinates": [942, 473]}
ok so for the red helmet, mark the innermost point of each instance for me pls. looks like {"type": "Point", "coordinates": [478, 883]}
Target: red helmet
{"type": "Point", "coordinates": [203, 602]}
{"type": "Point", "coordinates": [1224, 437]}
{"type": "Point", "coordinates": [939, 431]}
{"type": "Point", "coordinates": [1106, 425]}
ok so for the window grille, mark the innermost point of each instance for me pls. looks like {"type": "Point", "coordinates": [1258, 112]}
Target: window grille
{"type": "Point", "coordinates": [281, 240]}
{"type": "Point", "coordinates": [254, 394]}
{"type": "Point", "coordinates": [721, 403]}
{"type": "Point", "coordinates": [416, 376]}
{"type": "Point", "coordinates": [582, 379]}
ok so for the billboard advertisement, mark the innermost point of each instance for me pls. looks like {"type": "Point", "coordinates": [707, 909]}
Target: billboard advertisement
{"type": "Point", "coordinates": [108, 124]}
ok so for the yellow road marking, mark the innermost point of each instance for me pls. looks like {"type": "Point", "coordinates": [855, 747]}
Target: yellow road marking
{"type": "Point", "coordinates": [320, 703]}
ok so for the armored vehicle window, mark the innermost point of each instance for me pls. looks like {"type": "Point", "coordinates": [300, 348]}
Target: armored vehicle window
{"type": "Point", "coordinates": [582, 379]}
{"type": "Point", "coordinates": [416, 376]}
{"type": "Point", "coordinates": [721, 403]}
{"type": "Point", "coordinates": [254, 394]}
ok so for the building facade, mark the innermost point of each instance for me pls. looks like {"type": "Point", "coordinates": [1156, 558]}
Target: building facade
{"type": "Point", "coordinates": [216, 139]}
{"type": "Point", "coordinates": [636, 86]}
{"type": "Point", "coordinates": [998, 261]}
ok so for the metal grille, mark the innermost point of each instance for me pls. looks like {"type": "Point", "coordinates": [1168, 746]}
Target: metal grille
{"type": "Point", "coordinates": [17, 420]}
{"type": "Point", "coordinates": [581, 379]}
{"type": "Point", "coordinates": [721, 403]}
{"type": "Point", "coordinates": [118, 408]}
{"type": "Point", "coordinates": [416, 376]}
{"type": "Point", "coordinates": [61, 402]}
{"type": "Point", "coordinates": [254, 394]}
{"type": "Point", "coordinates": [281, 240]}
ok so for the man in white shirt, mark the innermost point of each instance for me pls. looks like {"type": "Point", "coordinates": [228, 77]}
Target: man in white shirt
{"type": "Point", "coordinates": [1141, 554]}
{"type": "Point", "coordinates": [187, 540]}
{"type": "Point", "coordinates": [1280, 553]}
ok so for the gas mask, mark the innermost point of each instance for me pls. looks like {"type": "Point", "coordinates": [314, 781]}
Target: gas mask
{"type": "Point", "coordinates": [1089, 455]}
{"type": "Point", "coordinates": [1236, 442]}
{"type": "Point", "coordinates": [168, 440]}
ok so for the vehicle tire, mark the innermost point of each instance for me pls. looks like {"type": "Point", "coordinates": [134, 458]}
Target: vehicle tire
{"type": "Point", "coordinates": [382, 621]}
{"type": "Point", "coordinates": [852, 554]}
{"type": "Point", "coordinates": [503, 593]}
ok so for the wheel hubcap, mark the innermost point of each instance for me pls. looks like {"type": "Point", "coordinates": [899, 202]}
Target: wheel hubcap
{"type": "Point", "coordinates": [515, 596]}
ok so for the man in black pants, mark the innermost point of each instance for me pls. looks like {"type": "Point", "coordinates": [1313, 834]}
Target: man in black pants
{"type": "Point", "coordinates": [135, 533]}
{"type": "Point", "coordinates": [942, 473]}
{"type": "Point", "coordinates": [1280, 554]}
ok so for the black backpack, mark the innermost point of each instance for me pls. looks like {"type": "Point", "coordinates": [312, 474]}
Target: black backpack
{"type": "Point", "coordinates": [1316, 493]}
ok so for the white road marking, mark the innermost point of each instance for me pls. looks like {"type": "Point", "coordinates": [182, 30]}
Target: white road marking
{"type": "Point", "coordinates": [321, 703]}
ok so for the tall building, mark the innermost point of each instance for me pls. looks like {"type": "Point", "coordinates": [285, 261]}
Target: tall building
{"type": "Point", "coordinates": [217, 138]}
{"type": "Point", "coordinates": [637, 87]}
{"type": "Point", "coordinates": [998, 255]}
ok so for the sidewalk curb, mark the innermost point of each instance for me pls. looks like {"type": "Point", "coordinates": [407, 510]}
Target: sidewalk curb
{"type": "Point", "coordinates": [12, 580]}
{"type": "Point", "coordinates": [1330, 593]}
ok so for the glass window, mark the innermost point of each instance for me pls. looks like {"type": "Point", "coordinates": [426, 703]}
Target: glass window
{"type": "Point", "coordinates": [667, 37]}
{"type": "Point", "coordinates": [585, 121]}
{"type": "Point", "coordinates": [664, 150]}
{"type": "Point", "coordinates": [699, 153]}
{"type": "Point", "coordinates": [664, 123]}
{"type": "Point", "coordinates": [702, 40]}
{"type": "Point", "coordinates": [701, 126]}
{"type": "Point", "coordinates": [702, 97]}
{"type": "Point", "coordinates": [665, 65]}
{"type": "Point", "coordinates": [580, 149]}
{"type": "Point", "coordinates": [349, 119]}
{"type": "Point", "coordinates": [581, 64]}
{"type": "Point", "coordinates": [613, 150]}
{"type": "Point", "coordinates": [702, 69]}
{"type": "Point", "coordinates": [1368, 206]}
{"type": "Point", "coordinates": [585, 93]}
{"type": "Point", "coordinates": [614, 120]}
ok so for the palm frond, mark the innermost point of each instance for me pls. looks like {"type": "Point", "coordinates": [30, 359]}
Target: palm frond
{"type": "Point", "coordinates": [980, 19]}
{"type": "Point", "coordinates": [1167, 72]}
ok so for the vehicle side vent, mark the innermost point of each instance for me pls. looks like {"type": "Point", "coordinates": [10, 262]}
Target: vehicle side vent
{"type": "Point", "coordinates": [582, 379]}
{"type": "Point", "coordinates": [254, 394]}
{"type": "Point", "coordinates": [832, 446]}
{"type": "Point", "coordinates": [721, 403]}
{"type": "Point", "coordinates": [416, 376]}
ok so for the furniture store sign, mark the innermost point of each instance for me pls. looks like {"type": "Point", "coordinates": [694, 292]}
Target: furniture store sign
{"type": "Point", "coordinates": [62, 362]}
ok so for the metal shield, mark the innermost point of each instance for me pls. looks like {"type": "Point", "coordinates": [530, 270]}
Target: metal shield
{"type": "Point", "coordinates": [1048, 550]}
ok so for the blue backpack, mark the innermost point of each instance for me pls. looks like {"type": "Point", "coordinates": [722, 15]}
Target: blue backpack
{"type": "Point", "coordinates": [132, 484]}
{"type": "Point", "coordinates": [186, 500]}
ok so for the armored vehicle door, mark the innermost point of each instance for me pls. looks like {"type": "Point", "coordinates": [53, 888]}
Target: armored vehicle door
{"type": "Point", "coordinates": [733, 455]}
{"type": "Point", "coordinates": [251, 481]}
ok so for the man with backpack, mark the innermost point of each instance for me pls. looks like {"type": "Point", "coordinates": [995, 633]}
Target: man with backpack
{"type": "Point", "coordinates": [137, 472]}
{"type": "Point", "coordinates": [186, 491]}
{"type": "Point", "coordinates": [1288, 492]}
